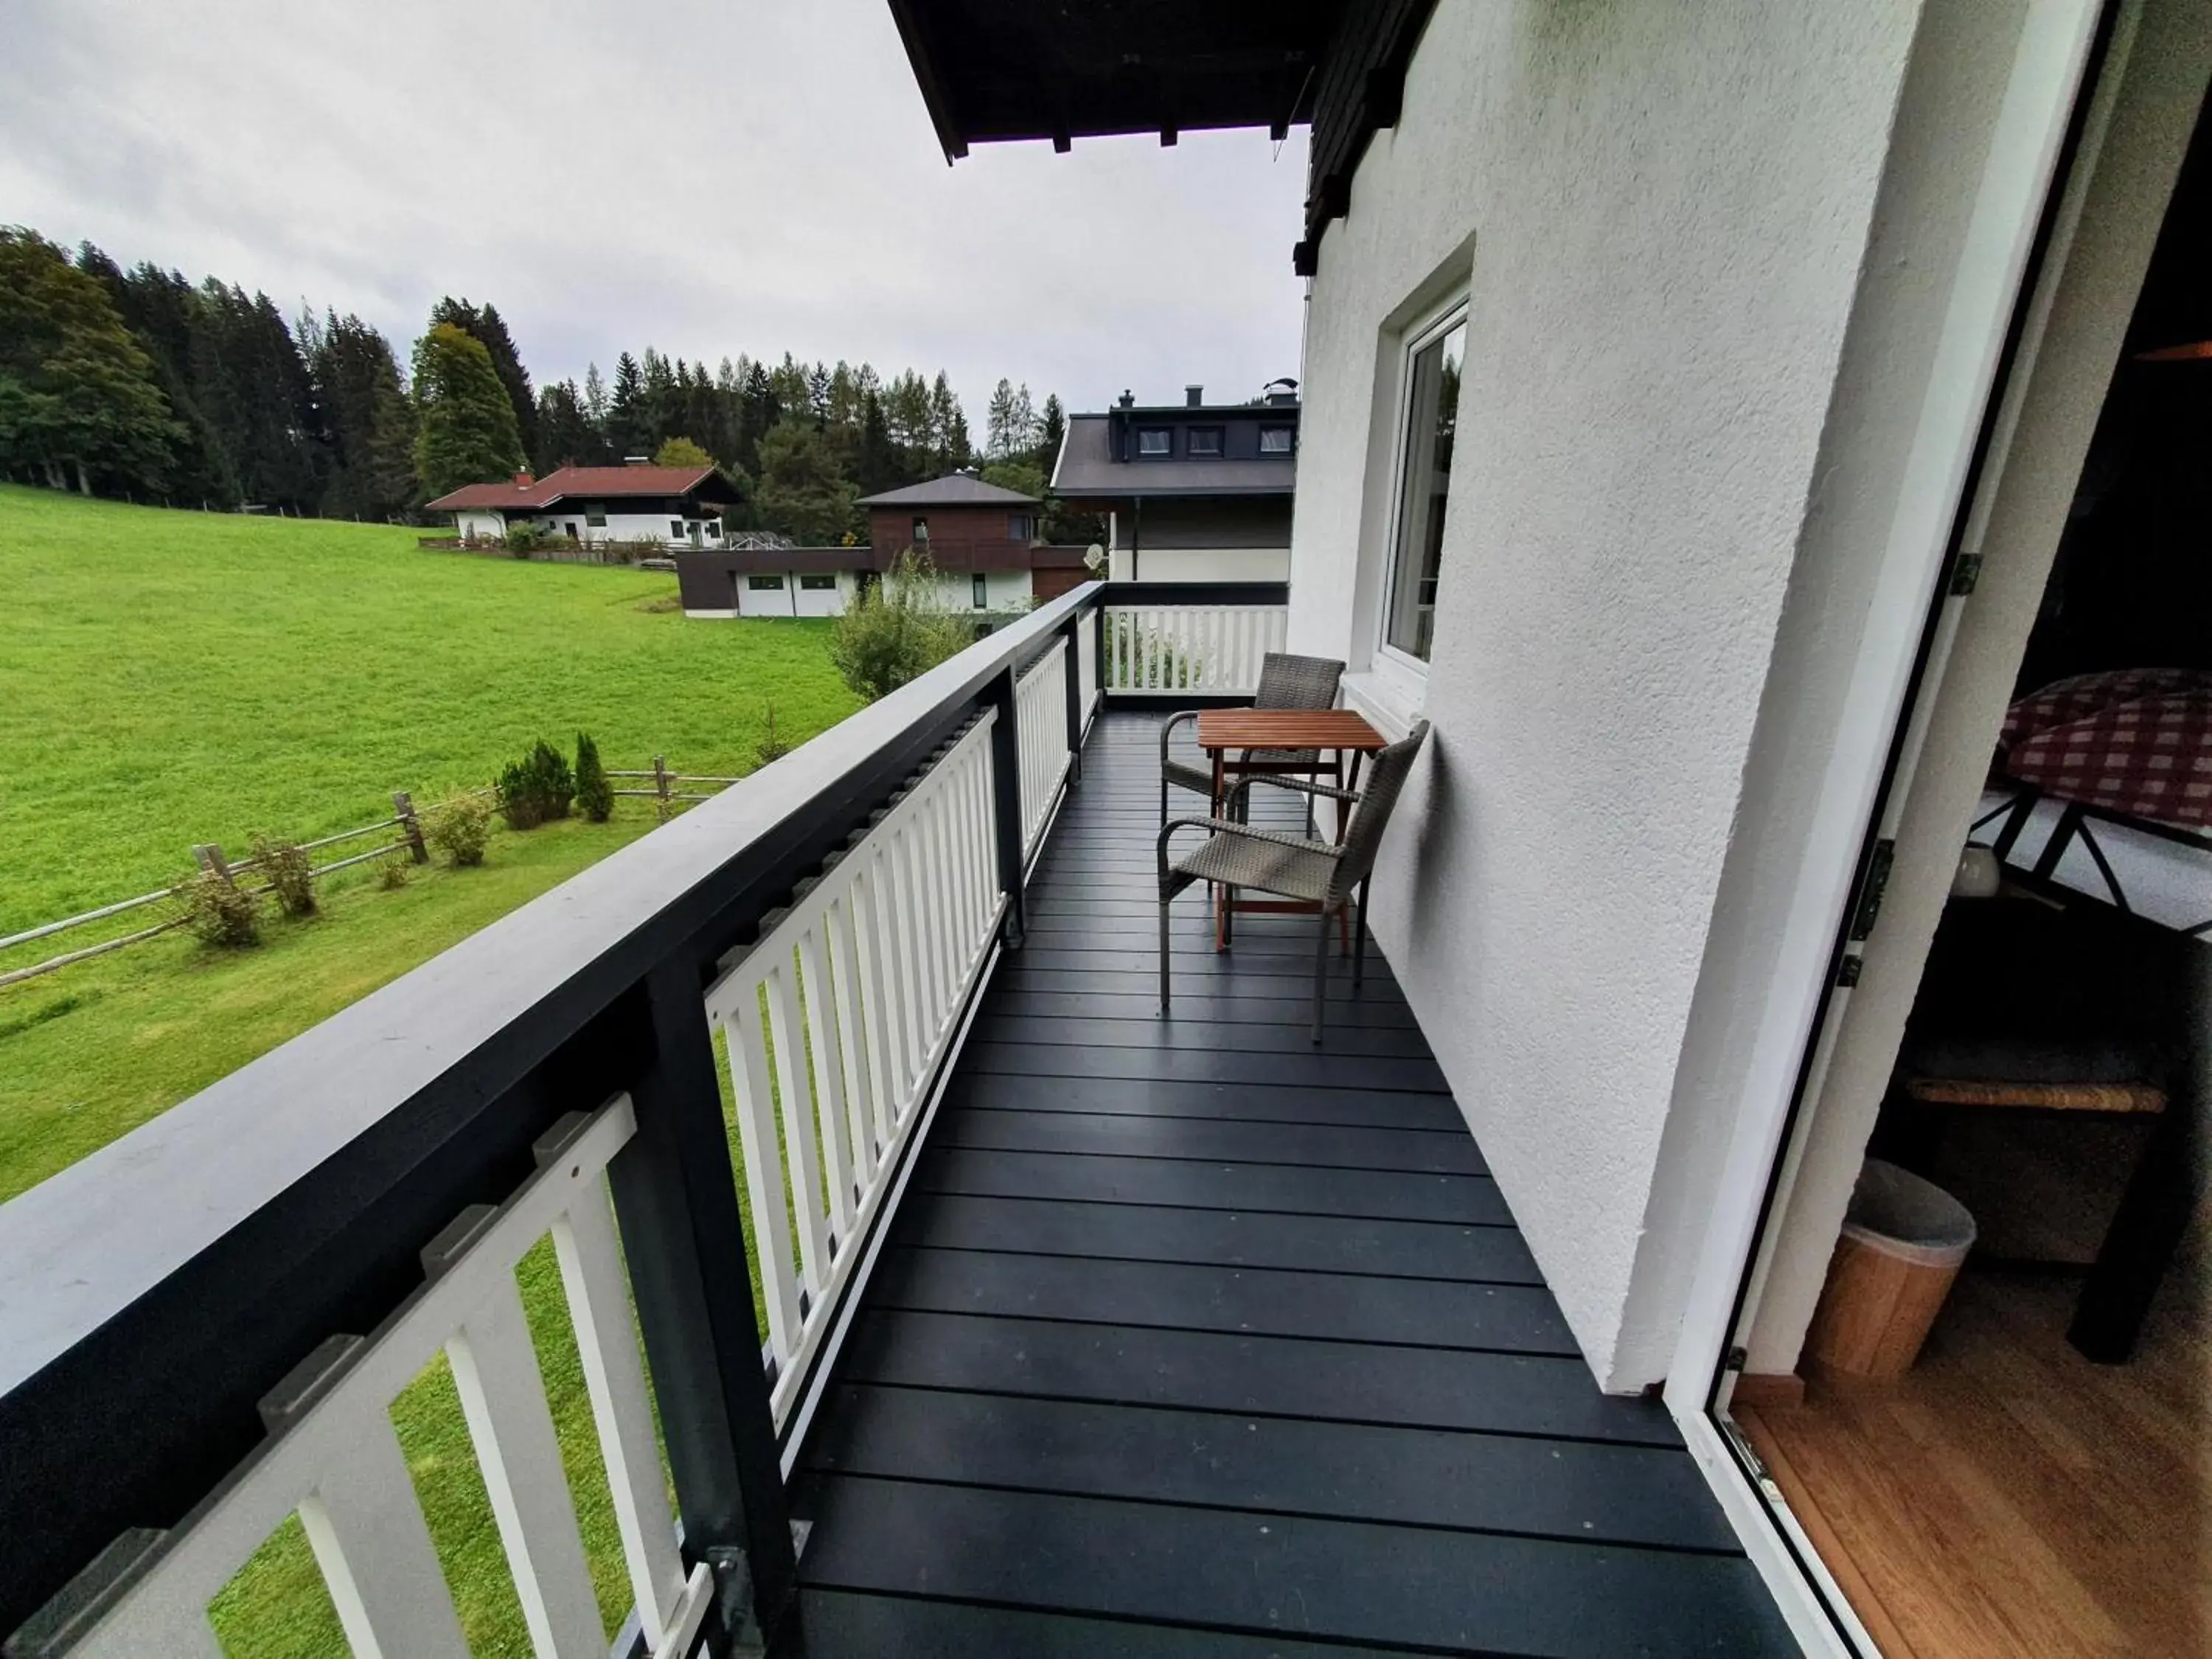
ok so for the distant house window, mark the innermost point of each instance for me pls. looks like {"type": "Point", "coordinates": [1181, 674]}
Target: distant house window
{"type": "Point", "coordinates": [1427, 417]}
{"type": "Point", "coordinates": [921, 532]}
{"type": "Point", "coordinates": [1155, 441]}
{"type": "Point", "coordinates": [765, 584]}
{"type": "Point", "coordinates": [571, 527]}
{"type": "Point", "coordinates": [817, 583]}
{"type": "Point", "coordinates": [595, 518]}
{"type": "Point", "coordinates": [676, 527]}
{"type": "Point", "coordinates": [1019, 527]}
{"type": "Point", "coordinates": [1204, 441]}
{"type": "Point", "coordinates": [982, 591]}
{"type": "Point", "coordinates": [1274, 440]}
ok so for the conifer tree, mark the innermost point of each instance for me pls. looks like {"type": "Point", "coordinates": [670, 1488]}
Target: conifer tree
{"type": "Point", "coordinates": [465, 431]}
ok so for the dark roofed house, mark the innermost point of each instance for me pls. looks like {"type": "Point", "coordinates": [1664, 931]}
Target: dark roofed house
{"type": "Point", "coordinates": [678, 506]}
{"type": "Point", "coordinates": [979, 536]}
{"type": "Point", "coordinates": [1193, 491]}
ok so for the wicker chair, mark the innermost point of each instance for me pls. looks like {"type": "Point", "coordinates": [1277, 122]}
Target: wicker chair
{"type": "Point", "coordinates": [1285, 682]}
{"type": "Point", "coordinates": [1291, 867]}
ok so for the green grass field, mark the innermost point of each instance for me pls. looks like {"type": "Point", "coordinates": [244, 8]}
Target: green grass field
{"type": "Point", "coordinates": [169, 678]}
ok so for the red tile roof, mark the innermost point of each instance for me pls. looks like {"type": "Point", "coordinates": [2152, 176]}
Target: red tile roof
{"type": "Point", "coordinates": [600, 483]}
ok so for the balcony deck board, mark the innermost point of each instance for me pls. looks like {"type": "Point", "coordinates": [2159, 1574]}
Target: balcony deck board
{"type": "Point", "coordinates": [1191, 1339]}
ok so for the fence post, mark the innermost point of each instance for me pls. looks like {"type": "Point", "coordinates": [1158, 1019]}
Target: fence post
{"type": "Point", "coordinates": [410, 827]}
{"type": "Point", "coordinates": [1006, 797]}
{"type": "Point", "coordinates": [660, 776]}
{"type": "Point", "coordinates": [1070, 631]}
{"type": "Point", "coordinates": [677, 1207]}
{"type": "Point", "coordinates": [211, 860]}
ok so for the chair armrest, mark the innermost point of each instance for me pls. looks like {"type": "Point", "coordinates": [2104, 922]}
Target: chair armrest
{"type": "Point", "coordinates": [1168, 726]}
{"type": "Point", "coordinates": [1243, 831]}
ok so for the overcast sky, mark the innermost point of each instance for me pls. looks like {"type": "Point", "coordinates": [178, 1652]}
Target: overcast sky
{"type": "Point", "coordinates": [706, 176]}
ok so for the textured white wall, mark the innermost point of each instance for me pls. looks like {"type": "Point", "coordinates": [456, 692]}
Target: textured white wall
{"type": "Point", "coordinates": [1666, 205]}
{"type": "Point", "coordinates": [1201, 564]}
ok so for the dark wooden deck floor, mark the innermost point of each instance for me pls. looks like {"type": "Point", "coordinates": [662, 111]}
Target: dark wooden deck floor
{"type": "Point", "coordinates": [1192, 1340]}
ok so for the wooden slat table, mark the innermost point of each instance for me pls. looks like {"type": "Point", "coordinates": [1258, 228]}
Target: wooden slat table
{"type": "Point", "coordinates": [1229, 736]}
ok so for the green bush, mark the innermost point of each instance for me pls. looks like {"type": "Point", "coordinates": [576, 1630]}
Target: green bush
{"type": "Point", "coordinates": [218, 911]}
{"type": "Point", "coordinates": [536, 788]}
{"type": "Point", "coordinates": [392, 873]}
{"type": "Point", "coordinates": [458, 826]}
{"type": "Point", "coordinates": [291, 874]}
{"type": "Point", "coordinates": [595, 796]}
{"type": "Point", "coordinates": [773, 745]}
{"type": "Point", "coordinates": [895, 630]}
{"type": "Point", "coordinates": [524, 539]}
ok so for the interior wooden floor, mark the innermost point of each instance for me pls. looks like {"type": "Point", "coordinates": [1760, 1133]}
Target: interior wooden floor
{"type": "Point", "coordinates": [1191, 1339]}
{"type": "Point", "coordinates": [2007, 1497]}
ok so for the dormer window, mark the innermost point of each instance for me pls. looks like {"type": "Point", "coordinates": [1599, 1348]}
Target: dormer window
{"type": "Point", "coordinates": [1155, 441]}
{"type": "Point", "coordinates": [1274, 440]}
{"type": "Point", "coordinates": [1203, 441]}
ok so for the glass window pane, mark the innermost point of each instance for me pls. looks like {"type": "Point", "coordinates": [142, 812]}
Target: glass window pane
{"type": "Point", "coordinates": [1432, 410]}
{"type": "Point", "coordinates": [1154, 440]}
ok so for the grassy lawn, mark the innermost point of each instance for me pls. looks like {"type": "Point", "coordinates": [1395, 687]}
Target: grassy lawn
{"type": "Point", "coordinates": [176, 677]}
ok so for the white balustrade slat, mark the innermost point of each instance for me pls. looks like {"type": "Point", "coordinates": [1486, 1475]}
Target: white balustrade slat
{"type": "Point", "coordinates": [503, 1398]}
{"type": "Point", "coordinates": [763, 1161]}
{"type": "Point", "coordinates": [332, 1456]}
{"type": "Point", "coordinates": [826, 1060]}
{"type": "Point", "coordinates": [1215, 649]}
{"type": "Point", "coordinates": [614, 1376]}
{"type": "Point", "coordinates": [367, 1530]}
{"type": "Point", "coordinates": [881, 1046]}
{"type": "Point", "coordinates": [801, 1154]}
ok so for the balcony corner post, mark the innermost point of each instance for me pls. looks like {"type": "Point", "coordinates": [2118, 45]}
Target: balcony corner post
{"type": "Point", "coordinates": [1098, 656]}
{"type": "Point", "coordinates": [676, 1206]}
{"type": "Point", "coordinates": [1006, 802]}
{"type": "Point", "coordinates": [1070, 631]}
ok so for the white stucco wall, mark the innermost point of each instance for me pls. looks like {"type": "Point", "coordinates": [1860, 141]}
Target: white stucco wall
{"type": "Point", "coordinates": [619, 527]}
{"type": "Point", "coordinates": [1663, 210]}
{"type": "Point", "coordinates": [1199, 564]}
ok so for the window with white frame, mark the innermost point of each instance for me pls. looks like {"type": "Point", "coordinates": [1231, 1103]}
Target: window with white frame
{"type": "Point", "coordinates": [817, 583]}
{"type": "Point", "coordinates": [1274, 440]}
{"type": "Point", "coordinates": [981, 590]}
{"type": "Point", "coordinates": [1428, 411]}
{"type": "Point", "coordinates": [1206, 441]}
{"type": "Point", "coordinates": [1155, 441]}
{"type": "Point", "coordinates": [765, 584]}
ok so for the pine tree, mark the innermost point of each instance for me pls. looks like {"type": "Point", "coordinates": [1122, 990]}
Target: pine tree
{"type": "Point", "coordinates": [999, 440]}
{"type": "Point", "coordinates": [628, 420]}
{"type": "Point", "coordinates": [804, 492]}
{"type": "Point", "coordinates": [1052, 432]}
{"type": "Point", "coordinates": [760, 412]}
{"type": "Point", "coordinates": [876, 461]}
{"type": "Point", "coordinates": [368, 422]}
{"type": "Point", "coordinates": [566, 435]}
{"type": "Point", "coordinates": [161, 309]}
{"type": "Point", "coordinates": [595, 397]}
{"type": "Point", "coordinates": [78, 397]}
{"type": "Point", "coordinates": [465, 431]}
{"type": "Point", "coordinates": [948, 428]}
{"type": "Point", "coordinates": [490, 329]}
{"type": "Point", "coordinates": [1021, 423]}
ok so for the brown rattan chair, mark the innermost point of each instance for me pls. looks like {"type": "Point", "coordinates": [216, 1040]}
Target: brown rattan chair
{"type": "Point", "coordinates": [1332, 877]}
{"type": "Point", "coordinates": [1285, 682]}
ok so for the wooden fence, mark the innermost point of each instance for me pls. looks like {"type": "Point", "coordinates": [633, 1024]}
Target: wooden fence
{"type": "Point", "coordinates": [666, 786]}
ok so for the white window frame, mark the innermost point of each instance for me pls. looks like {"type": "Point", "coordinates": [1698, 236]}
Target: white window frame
{"type": "Point", "coordinates": [1401, 675]}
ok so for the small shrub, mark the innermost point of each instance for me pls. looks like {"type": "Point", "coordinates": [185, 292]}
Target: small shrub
{"type": "Point", "coordinates": [291, 874]}
{"type": "Point", "coordinates": [219, 912]}
{"type": "Point", "coordinates": [524, 539]}
{"type": "Point", "coordinates": [895, 630]}
{"type": "Point", "coordinates": [536, 787]}
{"type": "Point", "coordinates": [773, 745]}
{"type": "Point", "coordinates": [595, 796]}
{"type": "Point", "coordinates": [458, 826]}
{"type": "Point", "coordinates": [391, 873]}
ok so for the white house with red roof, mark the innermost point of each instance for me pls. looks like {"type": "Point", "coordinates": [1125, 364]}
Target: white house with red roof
{"type": "Point", "coordinates": [675, 505]}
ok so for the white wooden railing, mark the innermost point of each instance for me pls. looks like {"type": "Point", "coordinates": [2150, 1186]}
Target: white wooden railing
{"type": "Point", "coordinates": [1086, 670]}
{"type": "Point", "coordinates": [333, 1459]}
{"type": "Point", "coordinates": [1166, 649]}
{"type": "Point", "coordinates": [836, 1022]}
{"type": "Point", "coordinates": [1041, 717]}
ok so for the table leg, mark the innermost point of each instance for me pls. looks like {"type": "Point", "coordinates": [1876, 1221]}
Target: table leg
{"type": "Point", "coordinates": [1220, 895]}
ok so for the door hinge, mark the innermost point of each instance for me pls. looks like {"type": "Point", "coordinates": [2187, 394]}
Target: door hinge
{"type": "Point", "coordinates": [1872, 889]}
{"type": "Point", "coordinates": [1752, 1459]}
{"type": "Point", "coordinates": [1966, 573]}
{"type": "Point", "coordinates": [1847, 970]}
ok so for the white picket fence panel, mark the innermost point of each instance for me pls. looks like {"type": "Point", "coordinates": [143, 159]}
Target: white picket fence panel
{"type": "Point", "coordinates": [837, 1020]}
{"type": "Point", "coordinates": [333, 1458]}
{"type": "Point", "coordinates": [1040, 719]}
{"type": "Point", "coordinates": [1164, 650]}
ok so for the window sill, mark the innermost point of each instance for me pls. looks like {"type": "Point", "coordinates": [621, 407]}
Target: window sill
{"type": "Point", "coordinates": [1386, 704]}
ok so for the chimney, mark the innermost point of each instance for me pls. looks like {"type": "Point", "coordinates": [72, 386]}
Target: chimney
{"type": "Point", "coordinates": [1128, 399]}
{"type": "Point", "coordinates": [637, 460]}
{"type": "Point", "coordinates": [1193, 397]}
{"type": "Point", "coordinates": [522, 479]}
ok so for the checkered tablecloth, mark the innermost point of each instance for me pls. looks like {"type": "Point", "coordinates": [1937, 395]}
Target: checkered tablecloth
{"type": "Point", "coordinates": [2079, 696]}
{"type": "Point", "coordinates": [2148, 758]}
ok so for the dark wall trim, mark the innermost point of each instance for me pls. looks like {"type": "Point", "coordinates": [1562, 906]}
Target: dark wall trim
{"type": "Point", "coordinates": [1363, 91]}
